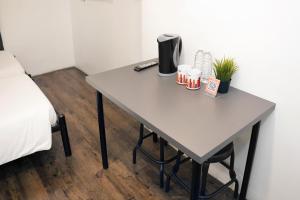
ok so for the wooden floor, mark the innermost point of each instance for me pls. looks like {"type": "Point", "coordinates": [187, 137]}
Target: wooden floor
{"type": "Point", "coordinates": [49, 175]}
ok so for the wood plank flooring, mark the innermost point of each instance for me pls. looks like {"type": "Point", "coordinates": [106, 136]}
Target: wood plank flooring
{"type": "Point", "coordinates": [49, 175]}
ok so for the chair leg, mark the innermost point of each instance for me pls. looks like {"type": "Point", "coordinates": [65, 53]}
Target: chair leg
{"type": "Point", "coordinates": [166, 143]}
{"type": "Point", "coordinates": [175, 169]}
{"type": "Point", "coordinates": [232, 175]}
{"type": "Point", "coordinates": [200, 173]}
{"type": "Point", "coordinates": [168, 181]}
{"type": "Point", "coordinates": [140, 142]}
{"type": "Point", "coordinates": [162, 159]}
{"type": "Point", "coordinates": [204, 173]}
{"type": "Point", "coordinates": [64, 135]}
{"type": "Point", "coordinates": [155, 138]}
{"type": "Point", "coordinates": [236, 190]}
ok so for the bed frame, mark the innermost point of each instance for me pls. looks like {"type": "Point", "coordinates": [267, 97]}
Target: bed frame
{"type": "Point", "coordinates": [61, 124]}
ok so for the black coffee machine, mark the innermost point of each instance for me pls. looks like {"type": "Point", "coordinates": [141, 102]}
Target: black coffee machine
{"type": "Point", "coordinates": [1, 44]}
{"type": "Point", "coordinates": [169, 50]}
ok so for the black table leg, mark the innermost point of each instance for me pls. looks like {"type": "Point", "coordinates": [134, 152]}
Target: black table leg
{"type": "Point", "coordinates": [196, 170]}
{"type": "Point", "coordinates": [102, 130]}
{"type": "Point", "coordinates": [250, 158]}
{"type": "Point", "coordinates": [162, 160]}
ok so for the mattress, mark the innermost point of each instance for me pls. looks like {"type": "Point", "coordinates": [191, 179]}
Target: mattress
{"type": "Point", "coordinates": [26, 117]}
{"type": "Point", "coordinates": [9, 65]}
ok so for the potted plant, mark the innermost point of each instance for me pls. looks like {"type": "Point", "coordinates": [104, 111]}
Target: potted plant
{"type": "Point", "coordinates": [224, 69]}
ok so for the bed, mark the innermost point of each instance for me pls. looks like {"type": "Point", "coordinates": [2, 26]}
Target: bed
{"type": "Point", "coordinates": [9, 65]}
{"type": "Point", "coordinates": [27, 118]}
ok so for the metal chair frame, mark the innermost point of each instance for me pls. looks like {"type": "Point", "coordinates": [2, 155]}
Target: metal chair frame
{"type": "Point", "coordinates": [217, 158]}
{"type": "Point", "coordinates": [161, 161]}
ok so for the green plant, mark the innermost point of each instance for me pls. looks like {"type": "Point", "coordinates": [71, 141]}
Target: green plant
{"type": "Point", "coordinates": [224, 68]}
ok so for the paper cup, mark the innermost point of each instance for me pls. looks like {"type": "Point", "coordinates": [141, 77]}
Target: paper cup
{"type": "Point", "coordinates": [193, 79]}
{"type": "Point", "coordinates": [182, 73]}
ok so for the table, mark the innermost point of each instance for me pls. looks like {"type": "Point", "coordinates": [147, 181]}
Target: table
{"type": "Point", "coordinates": [197, 124]}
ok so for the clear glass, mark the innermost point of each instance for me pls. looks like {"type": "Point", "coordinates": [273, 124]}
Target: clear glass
{"type": "Point", "coordinates": [206, 67]}
{"type": "Point", "coordinates": [199, 59]}
{"type": "Point", "coordinates": [203, 61]}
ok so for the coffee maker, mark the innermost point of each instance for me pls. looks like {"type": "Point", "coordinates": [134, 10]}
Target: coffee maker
{"type": "Point", "coordinates": [1, 44]}
{"type": "Point", "coordinates": [169, 50]}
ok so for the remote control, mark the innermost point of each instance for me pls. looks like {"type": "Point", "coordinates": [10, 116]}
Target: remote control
{"type": "Point", "coordinates": [145, 66]}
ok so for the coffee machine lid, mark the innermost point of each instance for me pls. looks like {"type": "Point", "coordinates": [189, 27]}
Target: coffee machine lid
{"type": "Point", "coordinates": [167, 37]}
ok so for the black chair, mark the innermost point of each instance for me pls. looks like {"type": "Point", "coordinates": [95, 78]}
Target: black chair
{"type": "Point", "coordinates": [161, 161]}
{"type": "Point", "coordinates": [219, 157]}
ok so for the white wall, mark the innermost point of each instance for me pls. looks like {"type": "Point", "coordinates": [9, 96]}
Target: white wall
{"type": "Point", "coordinates": [264, 38]}
{"type": "Point", "coordinates": [107, 33]}
{"type": "Point", "coordinates": [38, 32]}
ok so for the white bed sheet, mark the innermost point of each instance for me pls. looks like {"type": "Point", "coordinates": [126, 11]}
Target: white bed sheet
{"type": "Point", "coordinates": [26, 116]}
{"type": "Point", "coordinates": [9, 65]}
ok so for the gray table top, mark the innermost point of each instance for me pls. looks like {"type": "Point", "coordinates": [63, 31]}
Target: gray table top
{"type": "Point", "coordinates": [197, 124]}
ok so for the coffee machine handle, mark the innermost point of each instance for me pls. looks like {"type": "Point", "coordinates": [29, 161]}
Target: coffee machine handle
{"type": "Point", "coordinates": [180, 45]}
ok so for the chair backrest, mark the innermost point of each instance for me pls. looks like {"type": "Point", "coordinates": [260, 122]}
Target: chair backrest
{"type": "Point", "coordinates": [1, 43]}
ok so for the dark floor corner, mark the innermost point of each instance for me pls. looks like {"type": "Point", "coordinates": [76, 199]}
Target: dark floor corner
{"type": "Point", "coordinates": [49, 175]}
